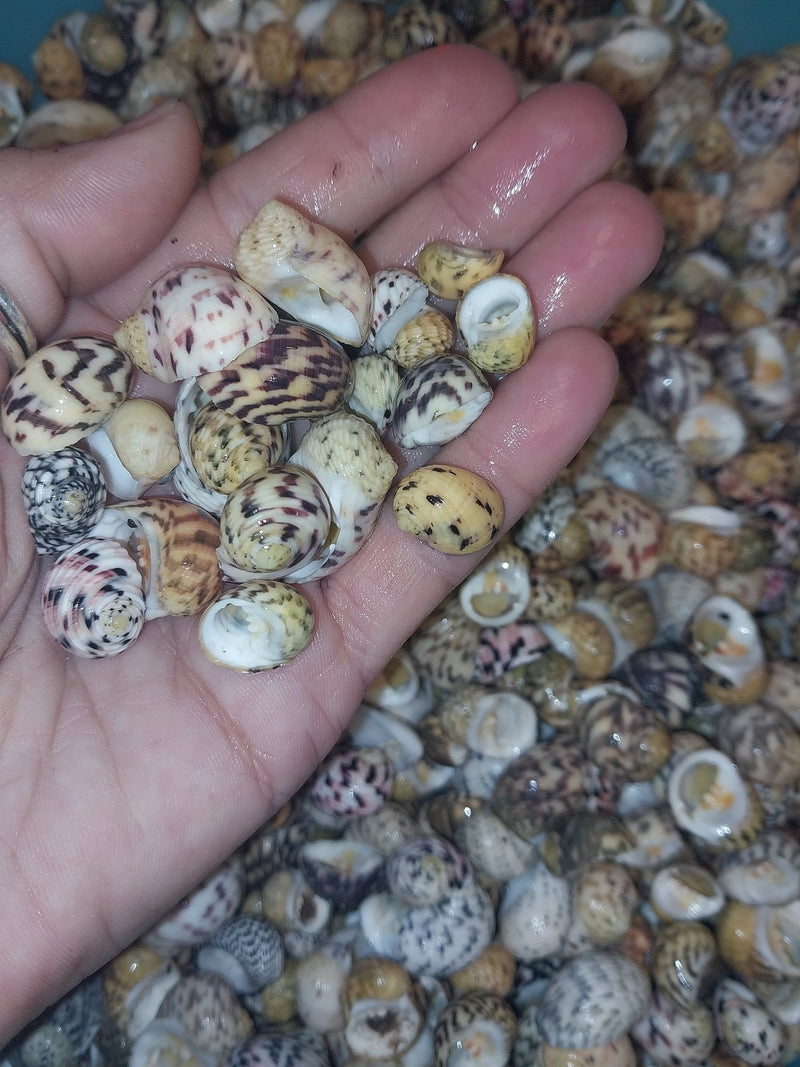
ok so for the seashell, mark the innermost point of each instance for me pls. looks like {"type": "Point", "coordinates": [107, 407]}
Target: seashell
{"type": "Point", "coordinates": [452, 509]}
{"type": "Point", "coordinates": [193, 320]}
{"type": "Point", "coordinates": [759, 100]}
{"type": "Point", "coordinates": [385, 829]}
{"type": "Point", "coordinates": [762, 742]}
{"type": "Point", "coordinates": [400, 688]}
{"type": "Point", "coordinates": [64, 493]}
{"type": "Point", "coordinates": [93, 600]}
{"type": "Point", "coordinates": [711, 431]}
{"type": "Point", "coordinates": [398, 296]}
{"type": "Point", "coordinates": [495, 724]}
{"type": "Point", "coordinates": [770, 469]}
{"type": "Point", "coordinates": [438, 399]}
{"type": "Point", "coordinates": [481, 1023]}
{"type": "Point", "coordinates": [431, 333]}
{"type": "Point", "coordinates": [552, 531]}
{"type": "Point", "coordinates": [162, 77]}
{"type": "Point", "coordinates": [708, 798]}
{"type": "Point", "coordinates": [690, 216]}
{"type": "Point", "coordinates": [295, 372]}
{"type": "Point", "coordinates": [514, 646]}
{"type": "Point", "coordinates": [593, 1000]}
{"type": "Point", "coordinates": [553, 778]}
{"type": "Point", "coordinates": [686, 891]}
{"type": "Point", "coordinates": [725, 639]}
{"type": "Point", "coordinates": [664, 679]}
{"type": "Point", "coordinates": [450, 270]}
{"type": "Point", "coordinates": [134, 986]}
{"type": "Point", "coordinates": [745, 1027]}
{"type": "Point", "coordinates": [204, 911]}
{"type": "Point", "coordinates": [415, 28]}
{"type": "Point", "coordinates": [775, 938]}
{"type": "Point", "coordinates": [17, 337]}
{"type": "Point", "coordinates": [783, 520]}
{"type": "Point", "coordinates": [291, 905]}
{"type": "Point", "coordinates": [701, 539]}
{"type": "Point", "coordinates": [585, 639]}
{"type": "Point", "coordinates": [625, 609]}
{"type": "Point", "coordinates": [247, 952]}
{"type": "Point", "coordinates": [383, 1008]}
{"type": "Point", "coordinates": [225, 451]}
{"type": "Point", "coordinates": [275, 522]}
{"type": "Point", "coordinates": [669, 1034]}
{"type": "Point", "coordinates": [493, 972]}
{"type": "Point", "coordinates": [620, 1053]}
{"type": "Point", "coordinates": [342, 872]}
{"type": "Point", "coordinates": [626, 740]}
{"type": "Point", "coordinates": [581, 837]}
{"type": "Point", "coordinates": [657, 839]}
{"type": "Point", "coordinates": [675, 595]}
{"type": "Point", "coordinates": [552, 596]}
{"type": "Point", "coordinates": [174, 545]}
{"type": "Point", "coordinates": [624, 533]}
{"type": "Point", "coordinates": [658, 471]}
{"type": "Point", "coordinates": [305, 1048]}
{"type": "Point", "coordinates": [353, 782]}
{"type": "Point", "coordinates": [497, 322]}
{"type": "Point", "coordinates": [698, 278]}
{"type": "Point", "coordinates": [667, 117]}
{"type": "Point", "coordinates": [756, 368]}
{"type": "Point", "coordinates": [445, 646]}
{"type": "Point", "coordinates": [437, 939]}
{"type": "Point", "coordinates": [425, 869]}
{"type": "Point", "coordinates": [493, 849]}
{"type": "Point", "coordinates": [630, 62]}
{"type": "Point", "coordinates": [307, 270]}
{"type": "Point", "coordinates": [685, 963]}
{"type": "Point", "coordinates": [321, 976]}
{"type": "Point", "coordinates": [374, 728]}
{"type": "Point", "coordinates": [605, 897]}
{"type": "Point", "coordinates": [499, 589]}
{"type": "Point", "coordinates": [257, 625]}
{"type": "Point", "coordinates": [63, 122]}
{"type": "Point", "coordinates": [755, 296]}
{"type": "Point", "coordinates": [376, 381]}
{"type": "Point", "coordinates": [136, 446]}
{"type": "Point", "coordinates": [165, 1040]}
{"type": "Point", "coordinates": [345, 455]}
{"type": "Point", "coordinates": [208, 1011]}
{"type": "Point", "coordinates": [766, 872]}
{"type": "Point", "coordinates": [62, 392]}
{"type": "Point", "coordinates": [191, 400]}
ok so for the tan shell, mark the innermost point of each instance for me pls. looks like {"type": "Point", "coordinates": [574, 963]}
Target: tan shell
{"type": "Point", "coordinates": [498, 324]}
{"type": "Point", "coordinates": [605, 896]}
{"type": "Point", "coordinates": [377, 977]}
{"type": "Point", "coordinates": [586, 640]}
{"type": "Point", "coordinates": [619, 1053]}
{"type": "Point", "coordinates": [226, 451]}
{"type": "Point", "coordinates": [685, 962]}
{"type": "Point", "coordinates": [492, 971]}
{"type": "Point", "coordinates": [62, 392]}
{"type": "Point", "coordinates": [143, 436]}
{"type": "Point", "coordinates": [308, 270]}
{"type": "Point", "coordinates": [452, 509]}
{"type": "Point", "coordinates": [431, 333]}
{"type": "Point", "coordinates": [450, 270]}
{"type": "Point", "coordinates": [736, 939]}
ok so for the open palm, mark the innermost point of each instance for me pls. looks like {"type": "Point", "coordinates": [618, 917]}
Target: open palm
{"type": "Point", "coordinates": [123, 781]}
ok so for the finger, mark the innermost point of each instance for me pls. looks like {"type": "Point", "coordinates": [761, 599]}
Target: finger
{"type": "Point", "coordinates": [72, 219]}
{"type": "Point", "coordinates": [557, 141]}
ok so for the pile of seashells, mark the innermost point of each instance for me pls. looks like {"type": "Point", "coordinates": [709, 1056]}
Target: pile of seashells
{"type": "Point", "coordinates": [562, 828]}
{"type": "Point", "coordinates": [275, 445]}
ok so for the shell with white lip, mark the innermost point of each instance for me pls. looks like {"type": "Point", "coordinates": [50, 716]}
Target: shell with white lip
{"type": "Point", "coordinates": [499, 589]}
{"type": "Point", "coordinates": [398, 297]}
{"type": "Point", "coordinates": [273, 523]}
{"type": "Point", "coordinates": [686, 891]}
{"type": "Point", "coordinates": [93, 598]}
{"type": "Point", "coordinates": [202, 912]}
{"type": "Point", "coordinates": [450, 270]}
{"type": "Point", "coordinates": [376, 380]}
{"type": "Point", "coordinates": [709, 798]}
{"type": "Point", "coordinates": [498, 324]}
{"type": "Point", "coordinates": [437, 400]}
{"type": "Point", "coordinates": [137, 446]}
{"type": "Point", "coordinates": [383, 1008]}
{"type": "Point", "coordinates": [766, 872]}
{"type": "Point", "coordinates": [726, 640]}
{"type": "Point", "coordinates": [711, 431]}
{"type": "Point", "coordinates": [478, 1027]}
{"type": "Point", "coordinates": [192, 320]}
{"type": "Point", "coordinates": [308, 270]}
{"type": "Point", "coordinates": [62, 392]}
{"type": "Point", "coordinates": [535, 913]}
{"type": "Point", "coordinates": [256, 626]}
{"type": "Point", "coordinates": [64, 494]}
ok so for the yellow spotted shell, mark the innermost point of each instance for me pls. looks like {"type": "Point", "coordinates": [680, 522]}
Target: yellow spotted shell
{"type": "Point", "coordinates": [449, 269]}
{"type": "Point", "coordinates": [431, 333]}
{"type": "Point", "coordinates": [450, 508]}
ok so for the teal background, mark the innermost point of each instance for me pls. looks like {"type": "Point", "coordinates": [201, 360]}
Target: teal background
{"type": "Point", "coordinates": [756, 25]}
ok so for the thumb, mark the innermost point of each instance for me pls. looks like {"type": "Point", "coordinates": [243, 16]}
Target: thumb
{"type": "Point", "coordinates": [72, 219]}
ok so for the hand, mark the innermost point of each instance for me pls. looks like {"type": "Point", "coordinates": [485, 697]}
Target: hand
{"type": "Point", "coordinates": [123, 781]}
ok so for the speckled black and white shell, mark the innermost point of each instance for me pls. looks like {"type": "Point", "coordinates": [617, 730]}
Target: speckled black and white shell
{"type": "Point", "coordinates": [438, 399]}
{"type": "Point", "coordinates": [480, 1012]}
{"type": "Point", "coordinates": [438, 939]}
{"type": "Point", "coordinates": [398, 295]}
{"type": "Point", "coordinates": [63, 392]}
{"type": "Point", "coordinates": [425, 869]}
{"type": "Point", "coordinates": [247, 952]}
{"type": "Point", "coordinates": [64, 494]}
{"type": "Point", "coordinates": [593, 1000]}
{"type": "Point", "coordinates": [301, 1048]}
{"type": "Point", "coordinates": [204, 911]}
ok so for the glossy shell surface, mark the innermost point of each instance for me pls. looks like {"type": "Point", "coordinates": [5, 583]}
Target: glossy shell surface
{"type": "Point", "coordinates": [438, 400]}
{"type": "Point", "coordinates": [450, 270]}
{"type": "Point", "coordinates": [452, 509]}
{"type": "Point", "coordinates": [498, 324]}
{"type": "Point", "coordinates": [64, 494]}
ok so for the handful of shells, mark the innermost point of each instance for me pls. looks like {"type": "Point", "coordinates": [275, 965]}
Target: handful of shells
{"type": "Point", "coordinates": [275, 448]}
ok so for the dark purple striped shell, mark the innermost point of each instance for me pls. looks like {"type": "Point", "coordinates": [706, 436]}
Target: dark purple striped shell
{"type": "Point", "coordinates": [64, 494]}
{"type": "Point", "coordinates": [353, 782]}
{"type": "Point", "coordinates": [438, 399]}
{"type": "Point", "coordinates": [296, 373]}
{"type": "Point", "coordinates": [425, 869]}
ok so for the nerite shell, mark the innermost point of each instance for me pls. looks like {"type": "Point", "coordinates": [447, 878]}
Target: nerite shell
{"type": "Point", "coordinates": [450, 508]}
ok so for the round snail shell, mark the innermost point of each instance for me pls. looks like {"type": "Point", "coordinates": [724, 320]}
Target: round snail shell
{"type": "Point", "coordinates": [452, 509]}
{"type": "Point", "coordinates": [255, 626]}
{"type": "Point", "coordinates": [225, 451]}
{"type": "Point", "coordinates": [431, 333]}
{"type": "Point", "coordinates": [137, 447]}
{"type": "Point", "coordinates": [450, 270]}
{"type": "Point", "coordinates": [376, 380]}
{"type": "Point", "coordinates": [93, 599]}
{"type": "Point", "coordinates": [273, 523]}
{"type": "Point", "coordinates": [498, 324]}
{"type": "Point", "coordinates": [308, 270]}
{"type": "Point", "coordinates": [398, 297]}
{"type": "Point", "coordinates": [194, 319]}
{"type": "Point", "coordinates": [438, 400]}
{"type": "Point", "coordinates": [64, 494]}
{"type": "Point", "coordinates": [40, 413]}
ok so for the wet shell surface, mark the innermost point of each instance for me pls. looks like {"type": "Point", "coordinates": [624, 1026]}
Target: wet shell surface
{"type": "Point", "coordinates": [452, 509]}
{"type": "Point", "coordinates": [498, 324]}
{"type": "Point", "coordinates": [247, 952]}
{"type": "Point", "coordinates": [294, 373]}
{"type": "Point", "coordinates": [398, 297]}
{"type": "Point", "coordinates": [62, 392]}
{"type": "Point", "coordinates": [438, 400]}
{"type": "Point", "coordinates": [450, 270]}
{"type": "Point", "coordinates": [257, 625]}
{"type": "Point", "coordinates": [194, 319]}
{"type": "Point", "coordinates": [225, 450]}
{"type": "Point", "coordinates": [93, 598]}
{"type": "Point", "coordinates": [481, 1023]}
{"type": "Point", "coordinates": [64, 494]}
{"type": "Point", "coordinates": [137, 446]}
{"type": "Point", "coordinates": [307, 270]}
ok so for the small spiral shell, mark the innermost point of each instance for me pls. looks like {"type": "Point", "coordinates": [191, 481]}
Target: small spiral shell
{"type": "Point", "coordinates": [225, 451]}
{"type": "Point", "coordinates": [93, 598]}
{"type": "Point", "coordinates": [64, 495]}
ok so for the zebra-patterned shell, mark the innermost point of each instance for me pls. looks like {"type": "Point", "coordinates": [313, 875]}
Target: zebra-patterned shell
{"type": "Point", "coordinates": [438, 400]}
{"type": "Point", "coordinates": [296, 373]}
{"type": "Point", "coordinates": [63, 392]}
{"type": "Point", "coordinates": [64, 495]}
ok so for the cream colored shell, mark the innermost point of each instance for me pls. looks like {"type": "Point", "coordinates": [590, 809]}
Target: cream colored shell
{"type": "Point", "coordinates": [450, 270]}
{"type": "Point", "coordinates": [452, 509]}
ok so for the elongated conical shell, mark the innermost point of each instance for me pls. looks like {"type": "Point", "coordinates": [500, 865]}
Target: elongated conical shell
{"type": "Point", "coordinates": [63, 392]}
{"type": "Point", "coordinates": [307, 270]}
{"type": "Point", "coordinates": [93, 598]}
{"type": "Point", "coordinates": [194, 319]}
{"type": "Point", "coordinates": [256, 625]}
